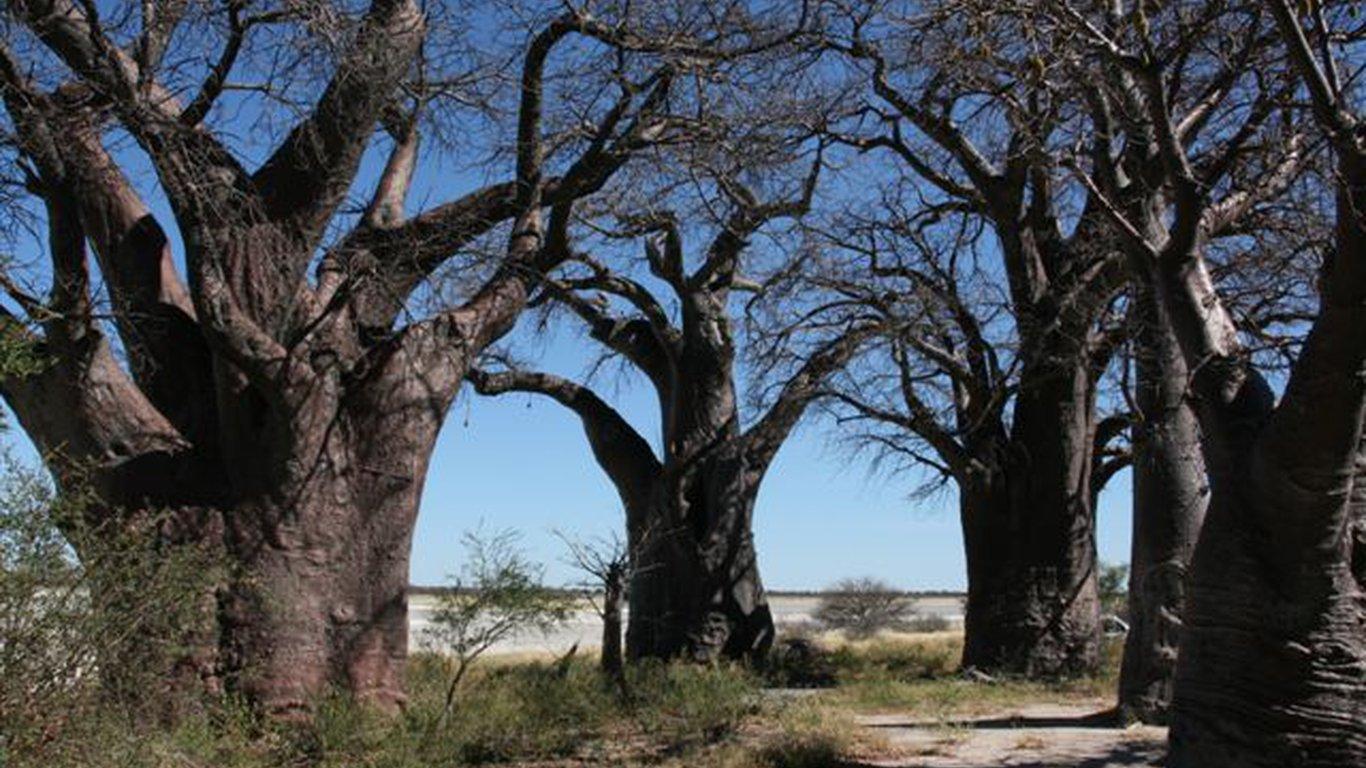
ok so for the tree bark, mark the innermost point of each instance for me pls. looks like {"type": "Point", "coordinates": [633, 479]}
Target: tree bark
{"type": "Point", "coordinates": [697, 592]}
{"type": "Point", "coordinates": [1170, 493]}
{"type": "Point", "coordinates": [1033, 602]}
{"type": "Point", "coordinates": [1273, 649]}
{"type": "Point", "coordinates": [320, 597]}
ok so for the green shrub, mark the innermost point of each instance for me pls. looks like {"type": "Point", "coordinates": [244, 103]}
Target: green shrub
{"type": "Point", "coordinates": [100, 632]}
{"type": "Point", "coordinates": [498, 593]}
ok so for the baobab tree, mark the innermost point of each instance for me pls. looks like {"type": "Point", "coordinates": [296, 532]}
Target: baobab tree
{"type": "Point", "coordinates": [976, 341]}
{"type": "Point", "coordinates": [1270, 670]}
{"type": "Point", "coordinates": [960, 100]}
{"type": "Point", "coordinates": [1223, 120]}
{"type": "Point", "coordinates": [283, 402]}
{"type": "Point", "coordinates": [695, 589]}
{"type": "Point", "coordinates": [1253, 163]}
{"type": "Point", "coordinates": [935, 390]}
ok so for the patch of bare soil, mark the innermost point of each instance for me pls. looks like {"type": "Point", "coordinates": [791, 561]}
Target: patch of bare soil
{"type": "Point", "coordinates": [1038, 736]}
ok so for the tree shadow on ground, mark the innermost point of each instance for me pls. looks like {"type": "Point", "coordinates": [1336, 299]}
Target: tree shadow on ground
{"type": "Point", "coordinates": [1107, 719]}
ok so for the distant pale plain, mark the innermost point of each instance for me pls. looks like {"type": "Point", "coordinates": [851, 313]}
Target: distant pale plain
{"type": "Point", "coordinates": [585, 627]}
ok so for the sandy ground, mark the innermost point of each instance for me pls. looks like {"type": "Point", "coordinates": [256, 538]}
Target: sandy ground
{"type": "Point", "coordinates": [585, 628]}
{"type": "Point", "coordinates": [1038, 736]}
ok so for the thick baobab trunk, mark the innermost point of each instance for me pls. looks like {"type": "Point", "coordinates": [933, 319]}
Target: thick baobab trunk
{"type": "Point", "coordinates": [1028, 528]}
{"type": "Point", "coordinates": [311, 516]}
{"type": "Point", "coordinates": [312, 612]}
{"type": "Point", "coordinates": [697, 591]}
{"type": "Point", "coordinates": [665, 581]}
{"type": "Point", "coordinates": [1273, 650]}
{"type": "Point", "coordinates": [1272, 670]}
{"type": "Point", "coordinates": [1170, 493]}
{"type": "Point", "coordinates": [313, 609]}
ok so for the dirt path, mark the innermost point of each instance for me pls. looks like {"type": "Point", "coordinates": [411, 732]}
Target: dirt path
{"type": "Point", "coordinates": [1043, 736]}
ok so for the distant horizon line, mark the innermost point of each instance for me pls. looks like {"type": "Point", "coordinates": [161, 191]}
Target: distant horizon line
{"type": "Point", "coordinates": [424, 589]}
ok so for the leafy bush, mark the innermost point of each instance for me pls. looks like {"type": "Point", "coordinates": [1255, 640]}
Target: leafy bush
{"type": "Point", "coordinates": [497, 594]}
{"type": "Point", "coordinates": [864, 606]}
{"type": "Point", "coordinates": [101, 631]}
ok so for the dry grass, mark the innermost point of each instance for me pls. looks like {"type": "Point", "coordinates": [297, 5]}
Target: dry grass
{"type": "Point", "coordinates": [524, 710]}
{"type": "Point", "coordinates": [915, 675]}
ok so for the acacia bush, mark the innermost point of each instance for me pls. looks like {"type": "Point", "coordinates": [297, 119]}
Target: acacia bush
{"type": "Point", "coordinates": [498, 594]}
{"type": "Point", "coordinates": [864, 606]}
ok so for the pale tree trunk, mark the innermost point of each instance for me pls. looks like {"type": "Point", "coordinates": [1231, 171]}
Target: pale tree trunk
{"type": "Point", "coordinates": [1272, 653]}
{"type": "Point", "coordinates": [1170, 493]}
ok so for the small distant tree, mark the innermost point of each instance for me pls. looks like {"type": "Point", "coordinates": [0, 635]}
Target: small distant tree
{"type": "Point", "coordinates": [1114, 587]}
{"type": "Point", "coordinates": [498, 593]}
{"type": "Point", "coordinates": [606, 565]}
{"type": "Point", "coordinates": [861, 607]}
